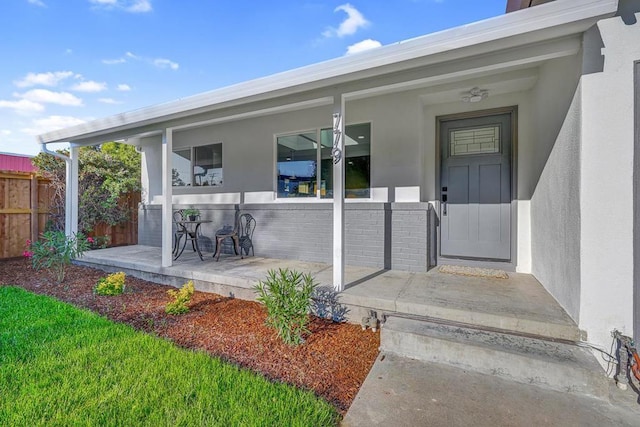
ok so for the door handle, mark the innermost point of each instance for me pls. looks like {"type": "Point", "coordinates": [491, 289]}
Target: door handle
{"type": "Point", "coordinates": [444, 205]}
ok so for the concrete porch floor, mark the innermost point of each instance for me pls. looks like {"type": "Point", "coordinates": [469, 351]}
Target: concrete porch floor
{"type": "Point", "coordinates": [519, 303]}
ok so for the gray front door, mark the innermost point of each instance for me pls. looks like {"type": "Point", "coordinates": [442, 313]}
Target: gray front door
{"type": "Point", "coordinates": [475, 213]}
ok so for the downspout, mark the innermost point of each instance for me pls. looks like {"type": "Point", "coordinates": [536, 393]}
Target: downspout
{"type": "Point", "coordinates": [68, 224]}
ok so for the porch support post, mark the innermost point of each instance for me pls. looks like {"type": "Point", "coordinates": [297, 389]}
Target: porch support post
{"type": "Point", "coordinates": [337, 153]}
{"type": "Point", "coordinates": [167, 198]}
{"type": "Point", "coordinates": [71, 217]}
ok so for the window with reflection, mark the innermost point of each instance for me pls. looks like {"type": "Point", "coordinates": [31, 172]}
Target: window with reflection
{"type": "Point", "coordinates": [299, 155]}
{"type": "Point", "coordinates": [181, 172]}
{"type": "Point", "coordinates": [297, 165]}
{"type": "Point", "coordinates": [197, 166]}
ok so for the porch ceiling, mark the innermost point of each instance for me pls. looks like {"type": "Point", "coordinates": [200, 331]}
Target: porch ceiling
{"type": "Point", "coordinates": [458, 53]}
{"type": "Point", "coordinates": [495, 84]}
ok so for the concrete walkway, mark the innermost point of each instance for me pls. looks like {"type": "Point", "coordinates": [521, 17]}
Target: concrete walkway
{"type": "Point", "coordinates": [405, 392]}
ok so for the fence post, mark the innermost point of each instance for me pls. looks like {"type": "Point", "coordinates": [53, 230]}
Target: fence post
{"type": "Point", "coordinates": [34, 208]}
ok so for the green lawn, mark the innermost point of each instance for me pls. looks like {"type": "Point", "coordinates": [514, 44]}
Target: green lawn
{"type": "Point", "coordinates": [63, 366]}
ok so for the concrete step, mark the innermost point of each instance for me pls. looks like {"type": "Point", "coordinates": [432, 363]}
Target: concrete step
{"type": "Point", "coordinates": [554, 365]}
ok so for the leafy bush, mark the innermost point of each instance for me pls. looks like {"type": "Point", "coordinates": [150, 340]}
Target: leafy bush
{"type": "Point", "coordinates": [106, 173]}
{"type": "Point", "coordinates": [181, 298]}
{"type": "Point", "coordinates": [286, 295]}
{"type": "Point", "coordinates": [113, 284]}
{"type": "Point", "coordinates": [54, 251]}
{"type": "Point", "coordinates": [99, 242]}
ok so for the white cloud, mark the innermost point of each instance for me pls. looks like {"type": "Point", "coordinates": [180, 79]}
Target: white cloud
{"type": "Point", "coordinates": [363, 45]}
{"type": "Point", "coordinates": [37, 3]}
{"type": "Point", "coordinates": [156, 62]}
{"type": "Point", "coordinates": [165, 63]}
{"type": "Point", "coordinates": [89, 86]}
{"type": "Point", "coordinates": [132, 6]}
{"type": "Point", "coordinates": [5, 132]}
{"type": "Point", "coordinates": [43, 79]}
{"type": "Point", "coordinates": [352, 23]}
{"type": "Point", "coordinates": [45, 96]}
{"type": "Point", "coordinates": [109, 101]}
{"type": "Point", "coordinates": [140, 6]}
{"type": "Point", "coordinates": [22, 106]}
{"type": "Point", "coordinates": [114, 61]}
{"type": "Point", "coordinates": [51, 123]}
{"type": "Point", "coordinates": [123, 87]}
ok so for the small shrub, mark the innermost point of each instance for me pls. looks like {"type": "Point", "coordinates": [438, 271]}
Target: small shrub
{"type": "Point", "coordinates": [286, 295]}
{"type": "Point", "coordinates": [54, 251]}
{"type": "Point", "coordinates": [113, 284]}
{"type": "Point", "coordinates": [99, 242]}
{"type": "Point", "coordinates": [181, 298]}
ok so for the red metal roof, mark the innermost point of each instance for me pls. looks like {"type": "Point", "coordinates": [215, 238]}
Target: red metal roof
{"type": "Point", "coordinates": [16, 162]}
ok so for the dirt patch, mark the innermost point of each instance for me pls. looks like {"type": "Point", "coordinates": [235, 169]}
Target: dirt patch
{"type": "Point", "coordinates": [333, 362]}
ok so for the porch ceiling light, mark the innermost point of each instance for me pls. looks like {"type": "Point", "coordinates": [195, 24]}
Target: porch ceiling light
{"type": "Point", "coordinates": [475, 95]}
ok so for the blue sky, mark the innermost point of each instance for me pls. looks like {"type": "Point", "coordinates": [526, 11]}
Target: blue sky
{"type": "Point", "coordinates": [69, 61]}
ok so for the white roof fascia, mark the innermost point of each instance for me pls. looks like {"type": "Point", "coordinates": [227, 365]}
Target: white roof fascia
{"type": "Point", "coordinates": [575, 15]}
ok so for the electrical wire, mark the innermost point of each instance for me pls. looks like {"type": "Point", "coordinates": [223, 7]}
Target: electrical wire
{"type": "Point", "coordinates": [611, 364]}
{"type": "Point", "coordinates": [610, 357]}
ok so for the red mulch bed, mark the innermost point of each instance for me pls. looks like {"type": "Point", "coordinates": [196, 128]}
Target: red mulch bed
{"type": "Point", "coordinates": [333, 362]}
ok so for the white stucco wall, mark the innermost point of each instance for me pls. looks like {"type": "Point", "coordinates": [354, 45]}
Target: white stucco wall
{"type": "Point", "coordinates": [151, 170]}
{"type": "Point", "coordinates": [606, 267]}
{"type": "Point", "coordinates": [249, 150]}
{"type": "Point", "coordinates": [551, 180]}
{"type": "Point", "coordinates": [396, 151]}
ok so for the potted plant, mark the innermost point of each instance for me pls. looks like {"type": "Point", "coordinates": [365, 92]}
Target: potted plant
{"type": "Point", "coordinates": [191, 213]}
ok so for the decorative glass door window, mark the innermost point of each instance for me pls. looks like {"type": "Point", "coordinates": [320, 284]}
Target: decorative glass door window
{"type": "Point", "coordinates": [299, 155]}
{"type": "Point", "coordinates": [482, 140]}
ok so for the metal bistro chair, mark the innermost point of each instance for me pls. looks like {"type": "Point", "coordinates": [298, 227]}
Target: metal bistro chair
{"type": "Point", "coordinates": [180, 230]}
{"type": "Point", "coordinates": [241, 235]}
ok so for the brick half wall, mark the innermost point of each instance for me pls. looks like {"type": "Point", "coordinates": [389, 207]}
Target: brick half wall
{"type": "Point", "coordinates": [380, 235]}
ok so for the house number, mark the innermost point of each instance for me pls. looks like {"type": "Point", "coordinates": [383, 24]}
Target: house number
{"type": "Point", "coordinates": [336, 152]}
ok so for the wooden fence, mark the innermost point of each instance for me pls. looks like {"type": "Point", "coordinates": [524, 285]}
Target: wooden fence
{"type": "Point", "coordinates": [24, 208]}
{"type": "Point", "coordinates": [125, 233]}
{"type": "Point", "coordinates": [24, 205]}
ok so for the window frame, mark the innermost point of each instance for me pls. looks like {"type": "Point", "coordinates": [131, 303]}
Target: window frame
{"type": "Point", "coordinates": [317, 198]}
{"type": "Point", "coordinates": [192, 153]}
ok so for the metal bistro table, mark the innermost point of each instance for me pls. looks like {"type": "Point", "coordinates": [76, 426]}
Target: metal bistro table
{"type": "Point", "coordinates": [190, 230]}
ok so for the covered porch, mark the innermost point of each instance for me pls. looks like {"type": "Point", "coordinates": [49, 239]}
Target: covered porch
{"type": "Point", "coordinates": [347, 166]}
{"type": "Point", "coordinates": [518, 304]}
